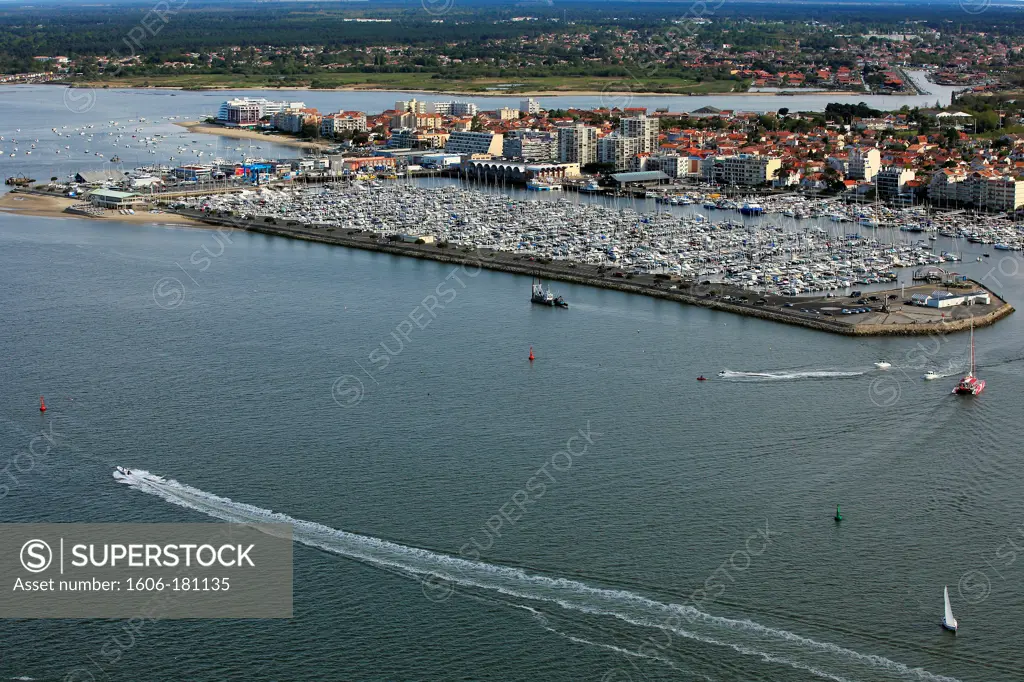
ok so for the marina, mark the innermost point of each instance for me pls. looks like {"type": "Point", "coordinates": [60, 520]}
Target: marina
{"type": "Point", "coordinates": [807, 276]}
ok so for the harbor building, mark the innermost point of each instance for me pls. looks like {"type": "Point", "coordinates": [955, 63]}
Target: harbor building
{"type": "Point", "coordinates": [512, 172]}
{"type": "Point", "coordinates": [577, 144]}
{"type": "Point", "coordinates": [470, 142]}
{"type": "Point", "coordinates": [948, 299]}
{"type": "Point", "coordinates": [1001, 193]}
{"type": "Point", "coordinates": [639, 179]}
{"type": "Point", "coordinates": [109, 198]}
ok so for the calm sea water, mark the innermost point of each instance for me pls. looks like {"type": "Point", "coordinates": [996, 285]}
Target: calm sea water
{"type": "Point", "coordinates": [690, 538]}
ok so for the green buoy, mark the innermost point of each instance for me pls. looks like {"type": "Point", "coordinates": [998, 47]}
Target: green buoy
{"type": "Point", "coordinates": [838, 517]}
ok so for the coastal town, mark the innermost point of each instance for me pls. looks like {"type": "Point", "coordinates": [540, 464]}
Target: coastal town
{"type": "Point", "coordinates": [762, 206]}
{"type": "Point", "coordinates": [915, 157]}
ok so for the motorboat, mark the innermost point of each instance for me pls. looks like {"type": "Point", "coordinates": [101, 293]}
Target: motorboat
{"type": "Point", "coordinates": [930, 376]}
{"type": "Point", "coordinates": [882, 364]}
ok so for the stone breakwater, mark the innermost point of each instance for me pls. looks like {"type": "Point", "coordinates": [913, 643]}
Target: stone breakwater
{"type": "Point", "coordinates": [689, 292]}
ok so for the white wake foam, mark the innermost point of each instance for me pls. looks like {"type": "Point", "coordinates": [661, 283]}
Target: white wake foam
{"type": "Point", "coordinates": [743, 636]}
{"type": "Point", "coordinates": [788, 375]}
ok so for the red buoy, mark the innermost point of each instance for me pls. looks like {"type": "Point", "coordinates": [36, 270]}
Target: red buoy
{"type": "Point", "coordinates": [531, 353]}
{"type": "Point", "coordinates": [42, 404]}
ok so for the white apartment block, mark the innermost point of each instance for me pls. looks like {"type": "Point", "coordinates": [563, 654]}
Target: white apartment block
{"type": "Point", "coordinates": [577, 144]}
{"type": "Point", "coordinates": [672, 165]}
{"type": "Point", "coordinates": [412, 105]}
{"type": "Point", "coordinates": [644, 128]}
{"type": "Point", "coordinates": [864, 164]}
{"type": "Point", "coordinates": [750, 169]}
{"type": "Point", "coordinates": [332, 124]}
{"type": "Point", "coordinates": [985, 190]}
{"type": "Point", "coordinates": [469, 142]}
{"type": "Point", "coordinates": [1001, 194]}
{"type": "Point", "coordinates": [529, 106]}
{"type": "Point", "coordinates": [892, 181]}
{"type": "Point", "coordinates": [455, 108]}
{"type": "Point", "coordinates": [617, 150]}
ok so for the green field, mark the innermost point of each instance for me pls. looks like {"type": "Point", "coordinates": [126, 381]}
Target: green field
{"type": "Point", "coordinates": [415, 81]}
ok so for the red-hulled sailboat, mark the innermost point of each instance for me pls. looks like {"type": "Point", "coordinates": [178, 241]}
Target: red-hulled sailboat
{"type": "Point", "coordinates": [970, 384]}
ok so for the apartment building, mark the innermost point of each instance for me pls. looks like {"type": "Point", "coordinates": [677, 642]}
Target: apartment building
{"type": "Point", "coordinates": [530, 145]}
{"type": "Point", "coordinates": [750, 169]}
{"type": "Point", "coordinates": [617, 150]}
{"type": "Point", "coordinates": [891, 181]}
{"type": "Point", "coordinates": [577, 144]}
{"type": "Point", "coordinates": [411, 105]}
{"type": "Point", "coordinates": [333, 124]}
{"type": "Point", "coordinates": [986, 190]}
{"type": "Point", "coordinates": [864, 164]}
{"type": "Point", "coordinates": [469, 142]}
{"type": "Point", "coordinates": [455, 108]}
{"type": "Point", "coordinates": [644, 128]}
{"type": "Point", "coordinates": [529, 106]}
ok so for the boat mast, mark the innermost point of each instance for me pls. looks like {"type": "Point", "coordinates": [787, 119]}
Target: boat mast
{"type": "Point", "coordinates": [972, 348]}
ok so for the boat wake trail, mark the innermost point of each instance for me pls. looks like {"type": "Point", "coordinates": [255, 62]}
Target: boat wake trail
{"type": "Point", "coordinates": [761, 642]}
{"type": "Point", "coordinates": [787, 375]}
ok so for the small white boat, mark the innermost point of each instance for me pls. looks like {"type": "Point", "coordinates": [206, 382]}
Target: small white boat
{"type": "Point", "coordinates": [948, 621]}
{"type": "Point", "coordinates": [929, 376]}
{"type": "Point", "coordinates": [882, 364]}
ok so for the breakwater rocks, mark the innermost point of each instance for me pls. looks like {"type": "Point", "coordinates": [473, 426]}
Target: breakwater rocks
{"type": "Point", "coordinates": [714, 296]}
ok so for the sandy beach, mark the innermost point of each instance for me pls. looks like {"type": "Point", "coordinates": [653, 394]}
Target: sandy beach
{"type": "Point", "coordinates": [241, 134]}
{"type": "Point", "coordinates": [53, 207]}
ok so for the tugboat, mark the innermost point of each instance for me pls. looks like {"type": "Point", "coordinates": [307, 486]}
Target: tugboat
{"type": "Point", "coordinates": [970, 384]}
{"type": "Point", "coordinates": [541, 296]}
{"type": "Point", "coordinates": [546, 297]}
